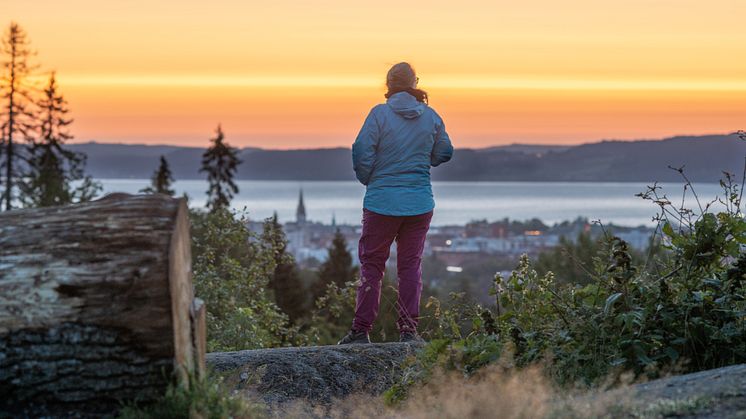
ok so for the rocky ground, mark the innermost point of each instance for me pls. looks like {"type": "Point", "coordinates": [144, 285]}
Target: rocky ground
{"type": "Point", "coordinates": [718, 393]}
{"type": "Point", "coordinates": [318, 376]}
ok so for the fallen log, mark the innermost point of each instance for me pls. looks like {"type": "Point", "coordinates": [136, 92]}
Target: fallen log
{"type": "Point", "coordinates": [96, 304]}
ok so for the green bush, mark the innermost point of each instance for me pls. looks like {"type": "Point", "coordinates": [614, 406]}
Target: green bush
{"type": "Point", "coordinates": [332, 317]}
{"type": "Point", "coordinates": [681, 311]}
{"type": "Point", "coordinates": [232, 268]}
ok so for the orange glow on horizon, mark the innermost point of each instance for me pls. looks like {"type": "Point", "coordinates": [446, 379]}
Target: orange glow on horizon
{"type": "Point", "coordinates": [293, 74]}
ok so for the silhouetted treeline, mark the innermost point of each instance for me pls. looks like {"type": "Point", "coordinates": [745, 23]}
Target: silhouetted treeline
{"type": "Point", "coordinates": [37, 168]}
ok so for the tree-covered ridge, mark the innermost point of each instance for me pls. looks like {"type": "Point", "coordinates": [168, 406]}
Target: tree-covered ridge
{"type": "Point", "coordinates": [611, 161]}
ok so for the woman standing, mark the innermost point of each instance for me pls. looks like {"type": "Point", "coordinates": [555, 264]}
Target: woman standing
{"type": "Point", "coordinates": [392, 155]}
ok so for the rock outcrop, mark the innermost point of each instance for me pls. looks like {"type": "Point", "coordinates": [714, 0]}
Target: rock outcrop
{"type": "Point", "coordinates": [717, 393]}
{"type": "Point", "coordinates": [317, 375]}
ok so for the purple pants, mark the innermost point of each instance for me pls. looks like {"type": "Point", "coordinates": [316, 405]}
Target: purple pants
{"type": "Point", "coordinates": [379, 231]}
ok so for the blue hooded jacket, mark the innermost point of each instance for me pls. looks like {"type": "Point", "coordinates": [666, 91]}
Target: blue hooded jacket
{"type": "Point", "coordinates": [392, 155]}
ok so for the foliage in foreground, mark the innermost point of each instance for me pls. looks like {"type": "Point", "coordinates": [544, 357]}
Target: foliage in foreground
{"type": "Point", "coordinates": [203, 398]}
{"type": "Point", "coordinates": [683, 312]}
{"type": "Point", "coordinates": [570, 260]}
{"type": "Point", "coordinates": [232, 269]}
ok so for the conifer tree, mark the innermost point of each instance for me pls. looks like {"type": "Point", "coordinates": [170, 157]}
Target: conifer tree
{"type": "Point", "coordinates": [338, 267]}
{"type": "Point", "coordinates": [16, 117]}
{"type": "Point", "coordinates": [162, 180]}
{"type": "Point", "coordinates": [220, 161]}
{"type": "Point", "coordinates": [52, 169]}
{"type": "Point", "coordinates": [286, 284]}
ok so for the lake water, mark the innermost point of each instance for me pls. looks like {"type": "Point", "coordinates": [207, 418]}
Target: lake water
{"type": "Point", "coordinates": [456, 202]}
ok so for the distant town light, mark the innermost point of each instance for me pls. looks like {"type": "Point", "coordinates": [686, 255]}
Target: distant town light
{"type": "Point", "coordinates": [448, 242]}
{"type": "Point", "coordinates": [532, 233]}
{"type": "Point", "coordinates": [454, 269]}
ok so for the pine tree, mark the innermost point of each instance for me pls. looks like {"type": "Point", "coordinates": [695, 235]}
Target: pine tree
{"type": "Point", "coordinates": [161, 180]}
{"type": "Point", "coordinates": [52, 169]}
{"type": "Point", "coordinates": [220, 161]}
{"type": "Point", "coordinates": [288, 289]}
{"type": "Point", "coordinates": [16, 118]}
{"type": "Point", "coordinates": [337, 268]}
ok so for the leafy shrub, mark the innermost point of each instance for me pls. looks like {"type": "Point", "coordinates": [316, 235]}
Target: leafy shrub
{"type": "Point", "coordinates": [332, 317]}
{"type": "Point", "coordinates": [569, 261]}
{"type": "Point", "coordinates": [681, 311]}
{"type": "Point", "coordinates": [232, 268]}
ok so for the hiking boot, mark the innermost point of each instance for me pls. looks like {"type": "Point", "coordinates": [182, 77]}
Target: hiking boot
{"type": "Point", "coordinates": [354, 336]}
{"type": "Point", "coordinates": [411, 337]}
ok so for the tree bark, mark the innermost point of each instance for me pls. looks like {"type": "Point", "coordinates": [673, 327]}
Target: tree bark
{"type": "Point", "coordinates": [96, 304]}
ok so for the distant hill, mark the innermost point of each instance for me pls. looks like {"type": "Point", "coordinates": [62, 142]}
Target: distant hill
{"type": "Point", "coordinates": [527, 148]}
{"type": "Point", "coordinates": [704, 157]}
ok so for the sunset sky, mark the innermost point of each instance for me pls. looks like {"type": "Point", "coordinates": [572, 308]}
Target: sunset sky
{"type": "Point", "coordinates": [303, 74]}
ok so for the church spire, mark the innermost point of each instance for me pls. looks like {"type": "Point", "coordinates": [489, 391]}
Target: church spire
{"type": "Point", "coordinates": [300, 213]}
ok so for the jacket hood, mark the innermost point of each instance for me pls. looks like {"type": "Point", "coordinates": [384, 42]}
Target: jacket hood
{"type": "Point", "coordinates": [406, 105]}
